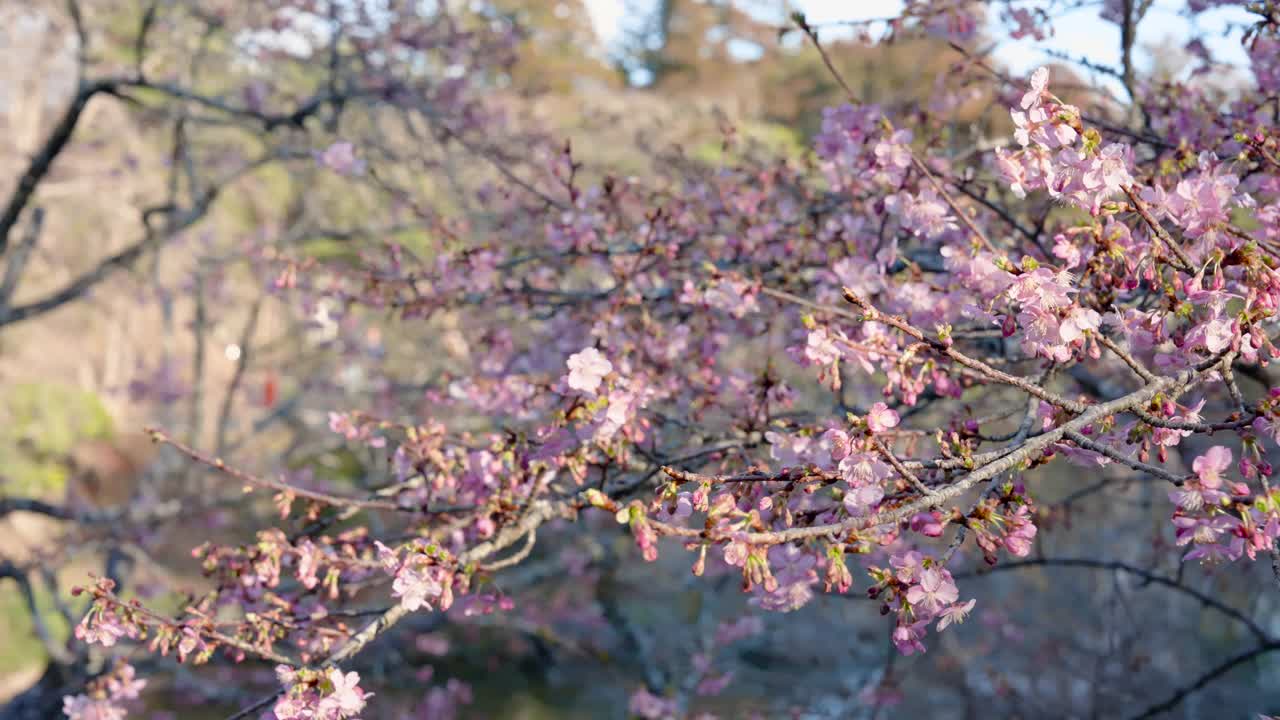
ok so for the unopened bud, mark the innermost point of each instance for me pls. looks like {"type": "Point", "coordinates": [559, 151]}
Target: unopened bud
{"type": "Point", "coordinates": [600, 500]}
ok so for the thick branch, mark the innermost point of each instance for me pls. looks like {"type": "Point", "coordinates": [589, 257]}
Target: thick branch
{"type": "Point", "coordinates": [18, 259]}
{"type": "Point", "coordinates": [39, 507]}
{"type": "Point", "coordinates": [126, 257]}
{"type": "Point", "coordinates": [43, 159]}
{"type": "Point", "coordinates": [1030, 450]}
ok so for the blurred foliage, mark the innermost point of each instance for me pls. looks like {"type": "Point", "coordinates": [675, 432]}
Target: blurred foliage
{"type": "Point", "coordinates": [776, 139]}
{"type": "Point", "coordinates": [765, 70]}
{"type": "Point", "coordinates": [42, 423]}
{"type": "Point", "coordinates": [560, 51]}
{"type": "Point", "coordinates": [340, 466]}
{"type": "Point", "coordinates": [20, 648]}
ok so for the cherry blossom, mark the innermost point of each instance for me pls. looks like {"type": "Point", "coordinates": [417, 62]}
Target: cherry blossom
{"type": "Point", "coordinates": [340, 157]}
{"type": "Point", "coordinates": [933, 592]}
{"type": "Point", "coordinates": [881, 418]}
{"type": "Point", "coordinates": [587, 370]}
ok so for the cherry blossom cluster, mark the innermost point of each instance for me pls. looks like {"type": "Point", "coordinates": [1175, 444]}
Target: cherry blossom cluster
{"type": "Point", "coordinates": [328, 694]}
{"type": "Point", "coordinates": [1223, 520]}
{"type": "Point", "coordinates": [107, 697]}
{"type": "Point", "coordinates": [423, 577]}
{"type": "Point", "coordinates": [919, 592]}
{"type": "Point", "coordinates": [840, 374]}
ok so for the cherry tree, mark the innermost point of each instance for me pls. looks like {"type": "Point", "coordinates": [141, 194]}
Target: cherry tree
{"type": "Point", "coordinates": [862, 376]}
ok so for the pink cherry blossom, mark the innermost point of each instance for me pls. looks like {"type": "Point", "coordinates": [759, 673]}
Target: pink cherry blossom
{"type": "Point", "coordinates": [340, 157]}
{"type": "Point", "coordinates": [346, 699]}
{"type": "Point", "coordinates": [821, 347]}
{"type": "Point", "coordinates": [587, 370]}
{"type": "Point", "coordinates": [1210, 466]}
{"type": "Point", "coordinates": [908, 638]}
{"type": "Point", "coordinates": [955, 613]}
{"type": "Point", "coordinates": [881, 418]}
{"type": "Point", "coordinates": [1039, 84]}
{"type": "Point", "coordinates": [82, 707]}
{"type": "Point", "coordinates": [927, 524]}
{"type": "Point", "coordinates": [648, 706]}
{"type": "Point", "coordinates": [934, 591]}
{"type": "Point", "coordinates": [1079, 322]}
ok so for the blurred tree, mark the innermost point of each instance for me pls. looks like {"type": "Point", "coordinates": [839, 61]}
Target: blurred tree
{"type": "Point", "coordinates": [560, 49]}
{"type": "Point", "coordinates": [737, 54]}
{"type": "Point", "coordinates": [690, 45]}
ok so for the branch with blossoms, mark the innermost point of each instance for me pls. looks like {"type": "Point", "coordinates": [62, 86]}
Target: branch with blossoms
{"type": "Point", "coordinates": [860, 373]}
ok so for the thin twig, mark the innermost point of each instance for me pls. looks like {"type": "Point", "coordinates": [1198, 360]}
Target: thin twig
{"type": "Point", "coordinates": [514, 558]}
{"type": "Point", "coordinates": [915, 159]}
{"type": "Point", "coordinates": [900, 468]}
{"type": "Point", "coordinates": [1204, 599]}
{"type": "Point", "coordinates": [1124, 355]}
{"type": "Point", "coordinates": [1162, 235]}
{"type": "Point", "coordinates": [1208, 677]}
{"type": "Point", "coordinates": [277, 485]}
{"type": "Point", "coordinates": [1029, 450]}
{"type": "Point", "coordinates": [874, 315]}
{"type": "Point", "coordinates": [1121, 458]}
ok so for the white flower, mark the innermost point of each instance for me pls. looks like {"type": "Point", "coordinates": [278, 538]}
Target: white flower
{"type": "Point", "coordinates": [1039, 82]}
{"type": "Point", "coordinates": [587, 370]}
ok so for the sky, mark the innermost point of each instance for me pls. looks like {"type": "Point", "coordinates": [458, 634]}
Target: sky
{"type": "Point", "coordinates": [1079, 33]}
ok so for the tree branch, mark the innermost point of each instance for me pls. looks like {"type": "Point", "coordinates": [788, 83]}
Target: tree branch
{"type": "Point", "coordinates": [1204, 599]}
{"type": "Point", "coordinates": [43, 160]}
{"type": "Point", "coordinates": [19, 257]}
{"type": "Point", "coordinates": [1208, 677]}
